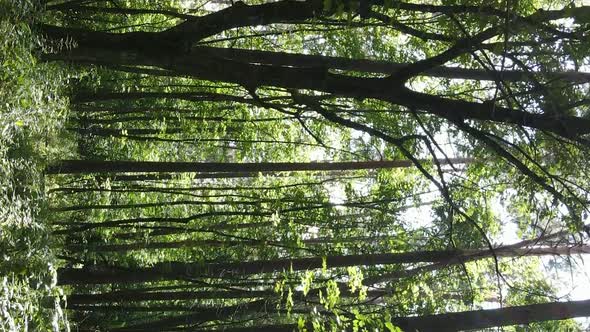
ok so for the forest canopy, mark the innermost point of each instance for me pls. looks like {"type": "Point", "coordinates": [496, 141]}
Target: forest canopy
{"type": "Point", "coordinates": [309, 165]}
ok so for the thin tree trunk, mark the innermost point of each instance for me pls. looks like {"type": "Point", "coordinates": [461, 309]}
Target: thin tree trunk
{"type": "Point", "coordinates": [97, 166]}
{"type": "Point", "coordinates": [85, 97]}
{"type": "Point", "coordinates": [301, 204]}
{"type": "Point", "coordinates": [205, 315]}
{"type": "Point", "coordinates": [130, 188]}
{"type": "Point", "coordinates": [171, 118]}
{"type": "Point", "coordinates": [123, 247]}
{"type": "Point", "coordinates": [133, 296]}
{"type": "Point", "coordinates": [156, 245]}
{"type": "Point", "coordinates": [139, 296]}
{"type": "Point", "coordinates": [516, 247]}
{"type": "Point", "coordinates": [108, 132]}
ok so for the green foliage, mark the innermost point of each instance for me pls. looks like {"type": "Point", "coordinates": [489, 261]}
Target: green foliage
{"type": "Point", "coordinates": [31, 115]}
{"type": "Point", "coordinates": [174, 227]}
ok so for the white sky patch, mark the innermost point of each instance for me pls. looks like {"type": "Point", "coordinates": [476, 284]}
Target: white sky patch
{"type": "Point", "coordinates": [418, 217]}
{"type": "Point", "coordinates": [188, 4]}
{"type": "Point", "coordinates": [357, 134]}
{"type": "Point", "coordinates": [337, 193]}
{"type": "Point", "coordinates": [312, 232]}
{"type": "Point", "coordinates": [572, 283]}
{"type": "Point", "coordinates": [508, 226]}
{"type": "Point", "coordinates": [317, 155]}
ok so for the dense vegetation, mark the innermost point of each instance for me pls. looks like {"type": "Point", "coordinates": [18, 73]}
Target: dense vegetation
{"type": "Point", "coordinates": [318, 165]}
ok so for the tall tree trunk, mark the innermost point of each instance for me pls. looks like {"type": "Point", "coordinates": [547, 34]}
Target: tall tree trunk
{"type": "Point", "coordinates": [516, 247]}
{"type": "Point", "coordinates": [139, 296]}
{"type": "Point", "coordinates": [178, 270]}
{"type": "Point", "coordinates": [375, 66]}
{"type": "Point", "coordinates": [133, 296]}
{"type": "Point", "coordinates": [180, 37]}
{"type": "Point", "coordinates": [153, 245]}
{"type": "Point", "coordinates": [205, 315]}
{"type": "Point", "coordinates": [98, 166]}
{"type": "Point", "coordinates": [253, 75]}
{"type": "Point", "coordinates": [466, 320]}
{"type": "Point", "coordinates": [480, 319]}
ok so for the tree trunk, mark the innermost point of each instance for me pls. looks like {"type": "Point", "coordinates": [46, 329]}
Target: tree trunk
{"type": "Point", "coordinates": [97, 274]}
{"type": "Point", "coordinates": [98, 166]}
{"type": "Point", "coordinates": [179, 270]}
{"type": "Point", "coordinates": [205, 315]}
{"type": "Point", "coordinates": [132, 296]}
{"type": "Point", "coordinates": [393, 90]}
{"type": "Point", "coordinates": [466, 320]}
{"type": "Point", "coordinates": [376, 66]}
{"type": "Point", "coordinates": [516, 248]}
{"type": "Point", "coordinates": [181, 36]}
{"type": "Point", "coordinates": [480, 319]}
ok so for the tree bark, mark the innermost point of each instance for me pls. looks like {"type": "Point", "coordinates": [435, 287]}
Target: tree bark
{"type": "Point", "coordinates": [132, 296]}
{"type": "Point", "coordinates": [467, 320]}
{"type": "Point", "coordinates": [480, 319]}
{"type": "Point", "coordinates": [178, 270]}
{"type": "Point", "coordinates": [205, 315]}
{"type": "Point", "coordinates": [391, 89]}
{"type": "Point", "coordinates": [378, 66]}
{"type": "Point", "coordinates": [181, 36]}
{"type": "Point", "coordinates": [97, 166]}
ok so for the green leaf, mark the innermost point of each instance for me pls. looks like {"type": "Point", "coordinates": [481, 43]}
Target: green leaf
{"type": "Point", "coordinates": [392, 328]}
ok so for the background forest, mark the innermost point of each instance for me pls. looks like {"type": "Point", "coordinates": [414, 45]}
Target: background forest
{"type": "Point", "coordinates": [311, 165]}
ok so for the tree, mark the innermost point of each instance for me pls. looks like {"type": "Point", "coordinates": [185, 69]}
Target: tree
{"type": "Point", "coordinates": [480, 319]}
{"type": "Point", "coordinates": [246, 95]}
{"type": "Point", "coordinates": [114, 50]}
{"type": "Point", "coordinates": [97, 166]}
{"type": "Point", "coordinates": [180, 270]}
